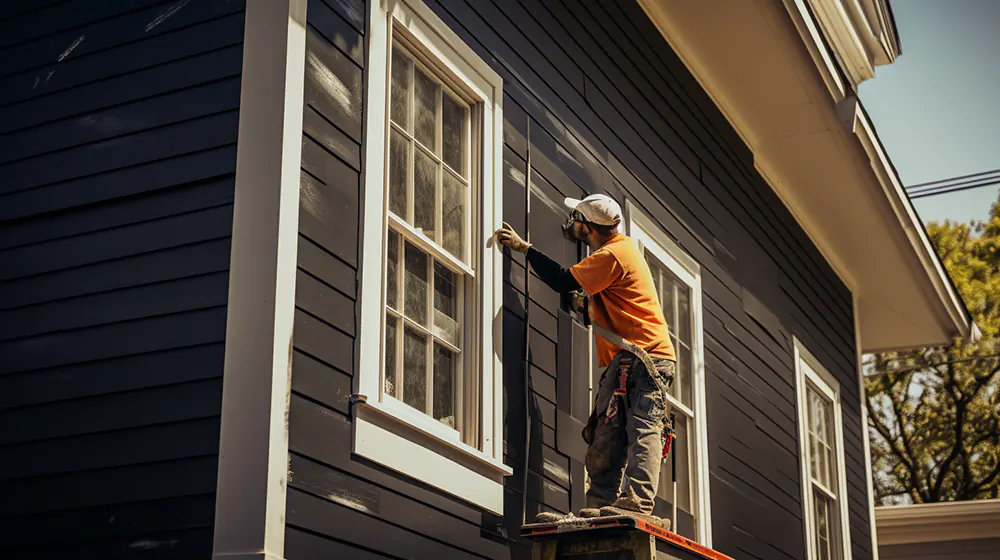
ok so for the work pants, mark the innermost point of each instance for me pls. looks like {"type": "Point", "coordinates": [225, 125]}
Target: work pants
{"type": "Point", "coordinates": [627, 438]}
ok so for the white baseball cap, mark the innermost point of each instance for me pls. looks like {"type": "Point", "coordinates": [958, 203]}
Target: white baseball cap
{"type": "Point", "coordinates": [600, 209]}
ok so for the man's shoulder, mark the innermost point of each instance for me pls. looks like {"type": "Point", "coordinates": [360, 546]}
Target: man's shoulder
{"type": "Point", "coordinates": [623, 249]}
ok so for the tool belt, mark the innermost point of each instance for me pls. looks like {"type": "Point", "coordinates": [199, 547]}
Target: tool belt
{"type": "Point", "coordinates": [620, 396]}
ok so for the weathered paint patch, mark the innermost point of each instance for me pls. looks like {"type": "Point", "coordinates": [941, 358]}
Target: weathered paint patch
{"type": "Point", "coordinates": [69, 50]}
{"type": "Point", "coordinates": [166, 15]}
{"type": "Point", "coordinates": [146, 544]}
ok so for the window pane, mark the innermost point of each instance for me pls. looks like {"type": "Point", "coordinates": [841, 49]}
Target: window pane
{"type": "Point", "coordinates": [391, 270]}
{"type": "Point", "coordinates": [415, 370]}
{"type": "Point", "coordinates": [684, 313]}
{"type": "Point", "coordinates": [399, 163]}
{"type": "Point", "coordinates": [424, 193]}
{"type": "Point", "coordinates": [399, 96]}
{"type": "Point", "coordinates": [444, 386]}
{"type": "Point", "coordinates": [453, 215]}
{"type": "Point", "coordinates": [681, 446]}
{"type": "Point", "coordinates": [822, 525]}
{"type": "Point", "coordinates": [445, 304]}
{"type": "Point", "coordinates": [415, 284]}
{"type": "Point", "coordinates": [425, 110]}
{"type": "Point", "coordinates": [667, 300]}
{"type": "Point", "coordinates": [682, 383]}
{"type": "Point", "coordinates": [453, 116]}
{"type": "Point", "coordinates": [814, 461]}
{"type": "Point", "coordinates": [819, 412]}
{"type": "Point", "coordinates": [655, 272]}
{"type": "Point", "coordinates": [390, 355]}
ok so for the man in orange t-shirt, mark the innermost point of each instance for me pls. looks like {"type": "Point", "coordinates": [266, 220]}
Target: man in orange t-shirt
{"type": "Point", "coordinates": [624, 432]}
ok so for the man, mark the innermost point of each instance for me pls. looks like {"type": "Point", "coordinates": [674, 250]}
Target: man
{"type": "Point", "coordinates": [625, 429]}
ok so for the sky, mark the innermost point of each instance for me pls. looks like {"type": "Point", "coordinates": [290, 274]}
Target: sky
{"type": "Point", "coordinates": [937, 108]}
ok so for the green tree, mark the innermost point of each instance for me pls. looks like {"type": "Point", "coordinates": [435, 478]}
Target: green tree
{"type": "Point", "coordinates": [933, 412]}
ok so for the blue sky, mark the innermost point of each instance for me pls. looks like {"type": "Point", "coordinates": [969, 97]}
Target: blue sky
{"type": "Point", "coordinates": [937, 108]}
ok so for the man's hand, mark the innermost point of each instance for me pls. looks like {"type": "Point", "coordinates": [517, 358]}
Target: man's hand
{"type": "Point", "coordinates": [507, 236]}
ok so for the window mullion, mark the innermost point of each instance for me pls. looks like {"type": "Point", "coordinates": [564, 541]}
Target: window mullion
{"type": "Point", "coordinates": [439, 206]}
{"type": "Point", "coordinates": [458, 382]}
{"type": "Point", "coordinates": [412, 146]}
{"type": "Point", "coordinates": [429, 402]}
{"type": "Point", "coordinates": [438, 237]}
{"type": "Point", "coordinates": [681, 382]}
{"type": "Point", "coordinates": [401, 330]}
{"type": "Point", "coordinates": [438, 173]}
{"type": "Point", "coordinates": [469, 182]}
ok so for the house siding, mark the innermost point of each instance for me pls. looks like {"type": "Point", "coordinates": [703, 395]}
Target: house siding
{"type": "Point", "coordinates": [118, 129]}
{"type": "Point", "coordinates": [597, 101]}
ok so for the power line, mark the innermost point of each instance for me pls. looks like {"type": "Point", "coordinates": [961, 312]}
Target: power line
{"type": "Point", "coordinates": [954, 184]}
{"type": "Point", "coordinates": [929, 366]}
{"type": "Point", "coordinates": [955, 190]}
{"type": "Point", "coordinates": [977, 180]}
{"type": "Point", "coordinates": [950, 179]}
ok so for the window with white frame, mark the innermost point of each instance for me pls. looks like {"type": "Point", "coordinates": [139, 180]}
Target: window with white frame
{"type": "Point", "coordinates": [677, 278]}
{"type": "Point", "coordinates": [428, 270]}
{"type": "Point", "coordinates": [822, 459]}
{"type": "Point", "coordinates": [430, 294]}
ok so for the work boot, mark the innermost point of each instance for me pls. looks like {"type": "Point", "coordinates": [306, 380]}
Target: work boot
{"type": "Point", "coordinates": [550, 517]}
{"type": "Point", "coordinates": [628, 507]}
{"type": "Point", "coordinates": [590, 512]}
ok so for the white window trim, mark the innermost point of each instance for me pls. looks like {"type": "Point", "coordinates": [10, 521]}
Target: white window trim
{"type": "Point", "coordinates": [641, 228]}
{"type": "Point", "coordinates": [405, 441]}
{"type": "Point", "coordinates": [827, 384]}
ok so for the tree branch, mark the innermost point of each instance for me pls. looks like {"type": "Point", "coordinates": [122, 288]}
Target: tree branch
{"type": "Point", "coordinates": [883, 431]}
{"type": "Point", "coordinates": [956, 448]}
{"type": "Point", "coordinates": [910, 459]}
{"type": "Point", "coordinates": [989, 478]}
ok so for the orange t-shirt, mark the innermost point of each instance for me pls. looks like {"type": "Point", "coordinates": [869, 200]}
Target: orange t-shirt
{"type": "Point", "coordinates": [623, 299]}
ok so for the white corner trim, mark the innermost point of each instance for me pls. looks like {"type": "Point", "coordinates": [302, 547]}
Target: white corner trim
{"type": "Point", "coordinates": [856, 122]}
{"type": "Point", "coordinates": [642, 228]}
{"type": "Point", "coordinates": [869, 478]}
{"type": "Point", "coordinates": [810, 34]}
{"type": "Point", "coordinates": [945, 521]}
{"type": "Point", "coordinates": [253, 447]}
{"type": "Point", "coordinates": [400, 449]}
{"type": "Point", "coordinates": [844, 39]}
{"type": "Point", "coordinates": [823, 380]}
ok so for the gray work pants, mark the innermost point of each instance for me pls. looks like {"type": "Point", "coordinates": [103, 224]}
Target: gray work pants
{"type": "Point", "coordinates": [629, 440]}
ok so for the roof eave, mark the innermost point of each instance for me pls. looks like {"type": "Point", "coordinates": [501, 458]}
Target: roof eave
{"type": "Point", "coordinates": [943, 521]}
{"type": "Point", "coordinates": [953, 308]}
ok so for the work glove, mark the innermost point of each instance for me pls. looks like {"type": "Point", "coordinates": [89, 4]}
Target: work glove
{"type": "Point", "coordinates": [507, 236]}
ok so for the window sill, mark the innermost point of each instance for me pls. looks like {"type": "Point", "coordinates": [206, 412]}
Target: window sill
{"type": "Point", "coordinates": [385, 436]}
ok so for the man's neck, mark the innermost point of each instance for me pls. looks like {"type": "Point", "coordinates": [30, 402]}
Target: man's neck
{"type": "Point", "coordinates": [598, 241]}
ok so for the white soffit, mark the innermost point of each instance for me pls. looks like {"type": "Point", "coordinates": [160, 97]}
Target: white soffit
{"type": "Point", "coordinates": [760, 64]}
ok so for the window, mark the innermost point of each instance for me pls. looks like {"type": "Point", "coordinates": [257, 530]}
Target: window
{"type": "Point", "coordinates": [822, 459]}
{"type": "Point", "coordinates": [678, 283]}
{"type": "Point", "coordinates": [430, 331]}
{"type": "Point", "coordinates": [429, 188]}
